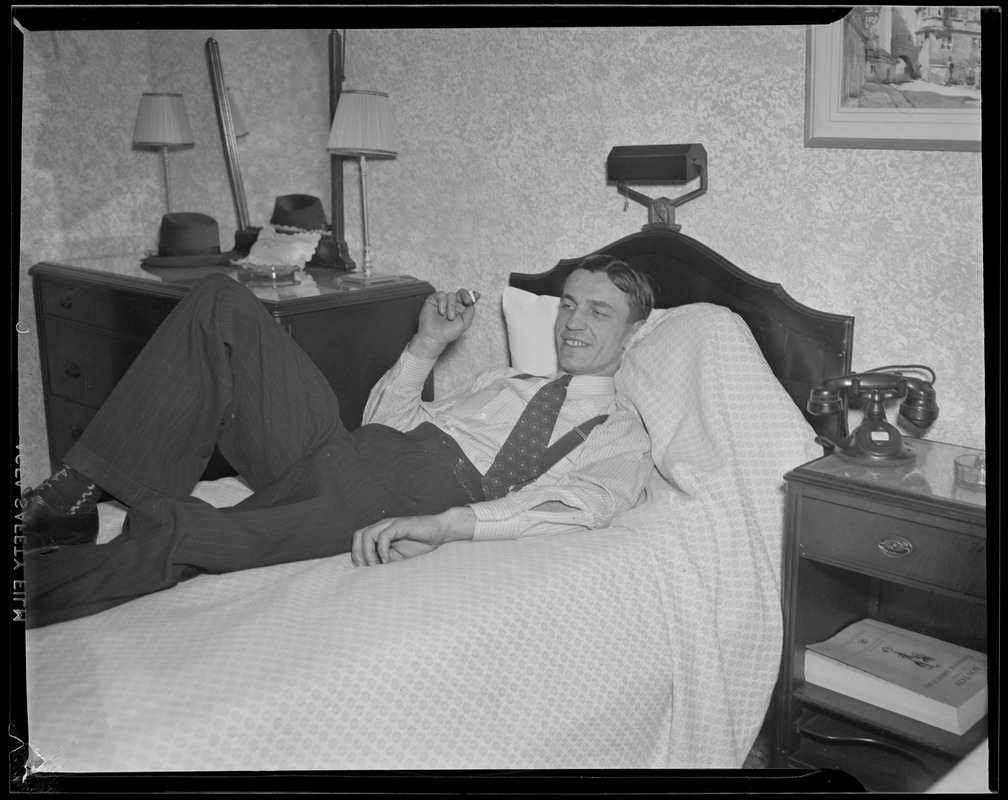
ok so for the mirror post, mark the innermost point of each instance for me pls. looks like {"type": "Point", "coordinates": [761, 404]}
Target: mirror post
{"type": "Point", "coordinates": [336, 78]}
{"type": "Point", "coordinates": [227, 133]}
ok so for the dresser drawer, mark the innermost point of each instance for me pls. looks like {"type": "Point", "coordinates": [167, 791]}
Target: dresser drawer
{"type": "Point", "coordinates": [85, 364]}
{"type": "Point", "coordinates": [891, 547]}
{"type": "Point", "coordinates": [129, 312]}
{"type": "Point", "coordinates": [66, 424]}
{"type": "Point", "coordinates": [67, 421]}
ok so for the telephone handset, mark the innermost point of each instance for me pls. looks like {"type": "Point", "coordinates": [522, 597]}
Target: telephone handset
{"type": "Point", "coordinates": [875, 441]}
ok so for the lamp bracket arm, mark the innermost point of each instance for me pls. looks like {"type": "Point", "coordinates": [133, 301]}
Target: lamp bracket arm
{"type": "Point", "coordinates": [661, 211]}
{"type": "Point", "coordinates": [702, 167]}
{"type": "Point", "coordinates": [633, 194]}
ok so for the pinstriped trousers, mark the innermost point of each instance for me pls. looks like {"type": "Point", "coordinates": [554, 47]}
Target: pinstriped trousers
{"type": "Point", "coordinates": [220, 371]}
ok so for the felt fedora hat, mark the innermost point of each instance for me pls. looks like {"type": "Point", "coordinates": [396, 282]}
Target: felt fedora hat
{"type": "Point", "coordinates": [188, 239]}
{"type": "Point", "coordinates": [302, 211]}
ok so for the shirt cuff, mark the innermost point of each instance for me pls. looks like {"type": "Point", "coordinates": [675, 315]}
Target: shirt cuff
{"type": "Point", "coordinates": [496, 519]}
{"type": "Point", "coordinates": [413, 370]}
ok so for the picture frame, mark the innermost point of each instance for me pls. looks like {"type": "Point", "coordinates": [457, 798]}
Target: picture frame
{"type": "Point", "coordinates": [829, 122]}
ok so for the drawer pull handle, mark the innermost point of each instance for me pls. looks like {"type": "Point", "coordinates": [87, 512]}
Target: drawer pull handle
{"type": "Point", "coordinates": [896, 547]}
{"type": "Point", "coordinates": [72, 369]}
{"type": "Point", "coordinates": [66, 301]}
{"type": "Point", "coordinates": [75, 432]}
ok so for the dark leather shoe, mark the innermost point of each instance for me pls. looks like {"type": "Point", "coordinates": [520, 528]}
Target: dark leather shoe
{"type": "Point", "coordinates": [43, 526]}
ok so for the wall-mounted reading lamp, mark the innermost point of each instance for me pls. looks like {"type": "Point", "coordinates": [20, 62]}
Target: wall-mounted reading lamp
{"type": "Point", "coordinates": [663, 164]}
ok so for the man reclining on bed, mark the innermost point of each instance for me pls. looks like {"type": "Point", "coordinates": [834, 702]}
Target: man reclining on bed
{"type": "Point", "coordinates": [220, 371]}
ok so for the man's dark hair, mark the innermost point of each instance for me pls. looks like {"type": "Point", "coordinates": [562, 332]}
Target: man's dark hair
{"type": "Point", "coordinates": [635, 285]}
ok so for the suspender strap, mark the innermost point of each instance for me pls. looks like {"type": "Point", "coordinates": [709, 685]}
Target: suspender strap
{"type": "Point", "coordinates": [562, 447]}
{"type": "Point", "coordinates": [566, 443]}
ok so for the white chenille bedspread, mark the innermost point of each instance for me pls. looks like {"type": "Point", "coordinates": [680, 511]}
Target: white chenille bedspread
{"type": "Point", "coordinates": [653, 643]}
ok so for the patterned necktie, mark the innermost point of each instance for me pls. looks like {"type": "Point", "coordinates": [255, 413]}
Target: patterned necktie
{"type": "Point", "coordinates": [519, 458]}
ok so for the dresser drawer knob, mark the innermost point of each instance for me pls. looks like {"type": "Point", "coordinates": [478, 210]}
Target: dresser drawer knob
{"type": "Point", "coordinates": [72, 369]}
{"type": "Point", "coordinates": [895, 547]}
{"type": "Point", "coordinates": [75, 432]}
{"type": "Point", "coordinates": [66, 301]}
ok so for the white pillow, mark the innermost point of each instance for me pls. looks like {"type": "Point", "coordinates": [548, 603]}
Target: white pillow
{"type": "Point", "coordinates": [530, 318]}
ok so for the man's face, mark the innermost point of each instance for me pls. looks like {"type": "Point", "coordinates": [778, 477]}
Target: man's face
{"type": "Point", "coordinates": [593, 324]}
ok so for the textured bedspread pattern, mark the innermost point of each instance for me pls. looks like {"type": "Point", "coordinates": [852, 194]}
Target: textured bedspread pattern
{"type": "Point", "coordinates": [723, 432]}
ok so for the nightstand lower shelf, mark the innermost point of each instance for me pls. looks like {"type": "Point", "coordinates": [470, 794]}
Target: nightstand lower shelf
{"type": "Point", "coordinates": [828, 742]}
{"type": "Point", "coordinates": [916, 734]}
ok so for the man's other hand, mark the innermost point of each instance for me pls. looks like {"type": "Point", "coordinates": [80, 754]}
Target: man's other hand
{"type": "Point", "coordinates": [398, 538]}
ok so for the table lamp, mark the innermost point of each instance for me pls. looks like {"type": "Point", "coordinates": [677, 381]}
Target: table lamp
{"type": "Point", "coordinates": [162, 122]}
{"type": "Point", "coordinates": [362, 127]}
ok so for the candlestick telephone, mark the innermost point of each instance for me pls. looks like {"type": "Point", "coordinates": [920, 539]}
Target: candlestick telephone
{"type": "Point", "coordinates": [875, 441]}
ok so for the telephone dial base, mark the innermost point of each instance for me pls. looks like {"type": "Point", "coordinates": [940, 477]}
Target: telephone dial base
{"type": "Point", "coordinates": [876, 443]}
{"type": "Point", "coordinates": [905, 457]}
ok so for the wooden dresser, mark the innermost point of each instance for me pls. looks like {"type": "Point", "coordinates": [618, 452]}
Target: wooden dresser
{"type": "Point", "coordinates": [95, 315]}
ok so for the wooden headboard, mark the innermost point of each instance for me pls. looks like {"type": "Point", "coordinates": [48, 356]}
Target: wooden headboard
{"type": "Point", "coordinates": [802, 346]}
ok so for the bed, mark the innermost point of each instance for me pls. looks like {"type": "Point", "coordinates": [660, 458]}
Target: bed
{"type": "Point", "coordinates": [653, 643]}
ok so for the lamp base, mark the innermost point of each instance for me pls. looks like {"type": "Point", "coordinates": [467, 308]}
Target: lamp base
{"type": "Point", "coordinates": [365, 279]}
{"type": "Point", "coordinates": [661, 226]}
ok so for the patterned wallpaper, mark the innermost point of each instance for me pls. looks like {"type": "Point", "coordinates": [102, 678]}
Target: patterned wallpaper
{"type": "Point", "coordinates": [503, 136]}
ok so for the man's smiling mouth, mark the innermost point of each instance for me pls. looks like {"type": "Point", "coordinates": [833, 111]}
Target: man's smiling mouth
{"type": "Point", "coordinates": [574, 343]}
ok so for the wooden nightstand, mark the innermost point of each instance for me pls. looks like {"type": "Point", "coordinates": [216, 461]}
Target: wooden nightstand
{"type": "Point", "coordinates": [904, 545]}
{"type": "Point", "coordinates": [95, 316]}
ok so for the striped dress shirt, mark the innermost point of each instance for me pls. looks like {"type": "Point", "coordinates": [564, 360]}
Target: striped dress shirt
{"type": "Point", "coordinates": [600, 478]}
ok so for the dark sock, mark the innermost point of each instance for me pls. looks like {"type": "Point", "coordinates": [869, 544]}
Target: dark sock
{"type": "Point", "coordinates": [68, 492]}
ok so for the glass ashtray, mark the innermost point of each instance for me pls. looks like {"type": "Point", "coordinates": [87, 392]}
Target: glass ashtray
{"type": "Point", "coordinates": [971, 470]}
{"type": "Point", "coordinates": [272, 275]}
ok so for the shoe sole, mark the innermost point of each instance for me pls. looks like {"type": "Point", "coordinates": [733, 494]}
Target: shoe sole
{"type": "Point", "coordinates": [46, 545]}
{"type": "Point", "coordinates": [41, 550]}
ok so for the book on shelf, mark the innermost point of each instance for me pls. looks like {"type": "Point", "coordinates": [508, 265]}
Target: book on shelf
{"type": "Point", "coordinates": [918, 676]}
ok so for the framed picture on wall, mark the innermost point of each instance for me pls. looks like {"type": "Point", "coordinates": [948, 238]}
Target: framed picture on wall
{"type": "Point", "coordinates": [895, 77]}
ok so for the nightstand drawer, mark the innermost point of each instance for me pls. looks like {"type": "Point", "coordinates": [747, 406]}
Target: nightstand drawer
{"type": "Point", "coordinates": [84, 364]}
{"type": "Point", "coordinates": [894, 548]}
{"type": "Point", "coordinates": [132, 313]}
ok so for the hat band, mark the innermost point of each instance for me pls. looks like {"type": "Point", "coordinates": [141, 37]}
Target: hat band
{"type": "Point", "coordinates": [189, 251]}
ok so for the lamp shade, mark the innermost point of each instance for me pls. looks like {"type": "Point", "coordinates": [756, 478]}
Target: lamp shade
{"type": "Point", "coordinates": [363, 125]}
{"type": "Point", "coordinates": [162, 121]}
{"type": "Point", "coordinates": [658, 163]}
{"type": "Point", "coordinates": [237, 120]}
